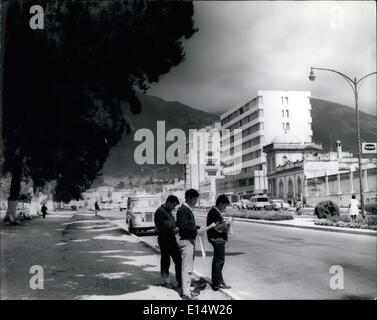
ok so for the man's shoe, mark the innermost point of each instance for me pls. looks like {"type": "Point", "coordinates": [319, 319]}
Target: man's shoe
{"type": "Point", "coordinates": [215, 288]}
{"type": "Point", "coordinates": [168, 285]}
{"type": "Point", "coordinates": [224, 286]}
{"type": "Point", "coordinates": [194, 294]}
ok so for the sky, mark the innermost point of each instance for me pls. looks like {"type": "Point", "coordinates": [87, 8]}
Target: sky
{"type": "Point", "coordinates": [245, 46]}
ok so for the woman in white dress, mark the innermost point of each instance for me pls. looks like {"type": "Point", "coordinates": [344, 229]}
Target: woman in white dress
{"type": "Point", "coordinates": [354, 207]}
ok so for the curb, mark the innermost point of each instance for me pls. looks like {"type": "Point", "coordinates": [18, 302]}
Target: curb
{"type": "Point", "coordinates": [227, 292]}
{"type": "Point", "coordinates": [319, 228]}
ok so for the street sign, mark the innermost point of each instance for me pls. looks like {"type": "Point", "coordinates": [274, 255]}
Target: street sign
{"type": "Point", "coordinates": [369, 147]}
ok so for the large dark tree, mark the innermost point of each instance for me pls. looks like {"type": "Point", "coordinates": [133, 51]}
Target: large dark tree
{"type": "Point", "coordinates": [64, 85]}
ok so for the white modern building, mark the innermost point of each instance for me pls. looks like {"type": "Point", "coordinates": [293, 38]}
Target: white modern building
{"type": "Point", "coordinates": [252, 125]}
{"type": "Point", "coordinates": [203, 162]}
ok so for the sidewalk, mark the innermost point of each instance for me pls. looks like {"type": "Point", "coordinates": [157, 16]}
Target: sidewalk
{"type": "Point", "coordinates": [307, 223]}
{"type": "Point", "coordinates": [83, 257]}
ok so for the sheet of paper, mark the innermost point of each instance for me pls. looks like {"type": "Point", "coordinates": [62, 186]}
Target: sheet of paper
{"type": "Point", "coordinates": [201, 246]}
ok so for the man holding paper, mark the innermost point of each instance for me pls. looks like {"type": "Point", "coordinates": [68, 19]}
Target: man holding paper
{"type": "Point", "coordinates": [218, 236]}
{"type": "Point", "coordinates": [188, 230]}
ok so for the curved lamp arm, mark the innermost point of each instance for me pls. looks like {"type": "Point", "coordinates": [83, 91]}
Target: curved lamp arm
{"type": "Point", "coordinates": [351, 82]}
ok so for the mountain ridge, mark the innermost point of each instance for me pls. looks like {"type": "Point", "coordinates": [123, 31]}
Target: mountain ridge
{"type": "Point", "coordinates": [330, 122]}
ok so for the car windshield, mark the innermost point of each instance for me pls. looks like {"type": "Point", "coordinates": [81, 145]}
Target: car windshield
{"type": "Point", "coordinates": [262, 200]}
{"type": "Point", "coordinates": [145, 203]}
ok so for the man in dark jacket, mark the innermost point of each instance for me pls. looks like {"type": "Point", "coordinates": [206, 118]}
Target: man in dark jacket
{"type": "Point", "coordinates": [166, 229]}
{"type": "Point", "coordinates": [187, 233]}
{"type": "Point", "coordinates": [218, 236]}
{"type": "Point", "coordinates": [44, 210]}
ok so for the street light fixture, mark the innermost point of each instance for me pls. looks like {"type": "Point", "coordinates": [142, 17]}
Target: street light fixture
{"type": "Point", "coordinates": [355, 85]}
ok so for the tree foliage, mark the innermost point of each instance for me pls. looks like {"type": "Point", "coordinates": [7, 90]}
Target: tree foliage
{"type": "Point", "coordinates": [64, 85]}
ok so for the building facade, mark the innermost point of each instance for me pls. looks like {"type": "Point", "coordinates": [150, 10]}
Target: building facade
{"type": "Point", "coordinates": [285, 166]}
{"type": "Point", "coordinates": [250, 126]}
{"type": "Point", "coordinates": [299, 171]}
{"type": "Point", "coordinates": [202, 161]}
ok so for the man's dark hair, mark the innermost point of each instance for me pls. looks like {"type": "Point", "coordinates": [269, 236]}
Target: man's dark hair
{"type": "Point", "coordinates": [222, 199]}
{"type": "Point", "coordinates": [172, 199]}
{"type": "Point", "coordinates": [191, 193]}
{"type": "Point", "coordinates": [353, 196]}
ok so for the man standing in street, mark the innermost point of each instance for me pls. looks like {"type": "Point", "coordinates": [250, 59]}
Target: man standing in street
{"type": "Point", "coordinates": [96, 208]}
{"type": "Point", "coordinates": [187, 233]}
{"type": "Point", "coordinates": [166, 229]}
{"type": "Point", "coordinates": [44, 210]}
{"type": "Point", "coordinates": [218, 236]}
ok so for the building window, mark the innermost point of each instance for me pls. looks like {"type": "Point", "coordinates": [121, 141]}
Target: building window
{"type": "Point", "coordinates": [287, 113]}
{"type": "Point", "coordinates": [283, 126]}
{"type": "Point", "coordinates": [287, 126]}
{"type": "Point", "coordinates": [286, 100]}
{"type": "Point", "coordinates": [282, 113]}
{"type": "Point", "coordinates": [211, 173]}
{"type": "Point", "coordinates": [282, 100]}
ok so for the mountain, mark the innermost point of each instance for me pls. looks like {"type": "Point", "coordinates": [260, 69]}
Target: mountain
{"type": "Point", "coordinates": [332, 121]}
{"type": "Point", "coordinates": [175, 114]}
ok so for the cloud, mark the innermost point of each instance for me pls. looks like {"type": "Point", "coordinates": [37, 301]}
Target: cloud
{"type": "Point", "coordinates": [245, 46]}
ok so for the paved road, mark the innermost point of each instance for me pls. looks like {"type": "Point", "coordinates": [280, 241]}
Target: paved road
{"type": "Point", "coordinates": [272, 262]}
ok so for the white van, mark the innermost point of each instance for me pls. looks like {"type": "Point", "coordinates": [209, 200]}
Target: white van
{"type": "Point", "coordinates": [260, 202]}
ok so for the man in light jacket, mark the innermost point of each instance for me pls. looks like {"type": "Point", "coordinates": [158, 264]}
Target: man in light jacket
{"type": "Point", "coordinates": [188, 231]}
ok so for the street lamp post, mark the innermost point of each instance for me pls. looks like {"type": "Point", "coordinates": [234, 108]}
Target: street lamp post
{"type": "Point", "coordinates": [355, 85]}
{"type": "Point", "coordinates": [155, 174]}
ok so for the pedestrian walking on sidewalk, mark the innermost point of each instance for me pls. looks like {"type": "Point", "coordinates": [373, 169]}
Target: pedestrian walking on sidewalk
{"type": "Point", "coordinates": [218, 236]}
{"type": "Point", "coordinates": [187, 234]}
{"type": "Point", "coordinates": [354, 207]}
{"type": "Point", "coordinates": [166, 229]}
{"type": "Point", "coordinates": [96, 208]}
{"type": "Point", "coordinates": [44, 210]}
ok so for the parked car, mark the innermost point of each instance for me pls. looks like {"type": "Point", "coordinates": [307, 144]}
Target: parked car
{"type": "Point", "coordinates": [277, 204]}
{"type": "Point", "coordinates": [140, 212]}
{"type": "Point", "coordinates": [370, 205]}
{"type": "Point", "coordinates": [206, 204]}
{"type": "Point", "coordinates": [236, 205]}
{"type": "Point", "coordinates": [260, 202]}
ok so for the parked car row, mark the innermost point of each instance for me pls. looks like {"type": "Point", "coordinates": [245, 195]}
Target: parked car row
{"type": "Point", "coordinates": [261, 202]}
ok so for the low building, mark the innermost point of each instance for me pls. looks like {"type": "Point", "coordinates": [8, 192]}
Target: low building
{"type": "Point", "coordinates": [300, 171]}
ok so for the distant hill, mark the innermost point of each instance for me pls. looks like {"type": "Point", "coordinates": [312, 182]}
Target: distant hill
{"type": "Point", "coordinates": [333, 121]}
{"type": "Point", "coordinates": [330, 122]}
{"type": "Point", "coordinates": [175, 114]}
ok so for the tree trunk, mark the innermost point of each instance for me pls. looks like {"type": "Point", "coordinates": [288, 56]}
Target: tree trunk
{"type": "Point", "coordinates": [15, 188]}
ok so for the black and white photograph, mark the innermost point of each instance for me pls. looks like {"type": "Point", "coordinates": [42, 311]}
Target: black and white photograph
{"type": "Point", "coordinates": [204, 151]}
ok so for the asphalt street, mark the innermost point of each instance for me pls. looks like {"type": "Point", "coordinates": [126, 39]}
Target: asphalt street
{"type": "Point", "coordinates": [274, 262]}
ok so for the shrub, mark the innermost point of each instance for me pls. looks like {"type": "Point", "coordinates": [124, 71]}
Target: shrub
{"type": "Point", "coordinates": [371, 220]}
{"type": "Point", "coordinates": [324, 222]}
{"type": "Point", "coordinates": [345, 218]}
{"type": "Point", "coordinates": [262, 215]}
{"type": "Point", "coordinates": [326, 209]}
